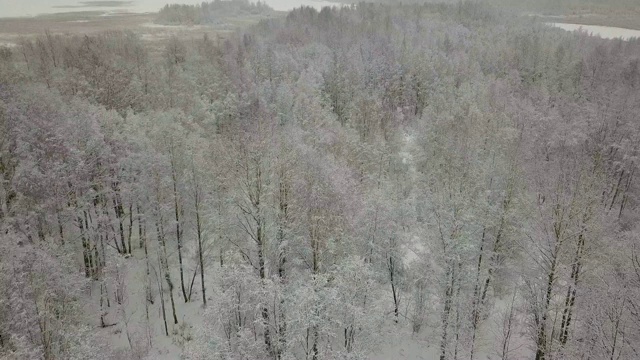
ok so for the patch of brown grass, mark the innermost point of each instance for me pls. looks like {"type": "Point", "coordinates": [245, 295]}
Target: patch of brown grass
{"type": "Point", "coordinates": [80, 23]}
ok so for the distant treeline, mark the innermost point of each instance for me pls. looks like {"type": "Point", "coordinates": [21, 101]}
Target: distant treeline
{"type": "Point", "coordinates": [209, 12]}
{"type": "Point", "coordinates": [567, 5]}
{"type": "Point", "coordinates": [540, 6]}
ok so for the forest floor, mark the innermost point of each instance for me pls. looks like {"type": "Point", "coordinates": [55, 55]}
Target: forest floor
{"type": "Point", "coordinates": [137, 325]}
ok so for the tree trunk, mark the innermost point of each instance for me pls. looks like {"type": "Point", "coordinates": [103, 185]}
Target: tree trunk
{"type": "Point", "coordinates": [261, 267]}
{"type": "Point", "coordinates": [119, 210]}
{"type": "Point", "coordinates": [141, 235]}
{"type": "Point", "coordinates": [85, 249]}
{"type": "Point", "coordinates": [446, 311]}
{"type": "Point", "coordinates": [165, 265]}
{"type": "Point", "coordinates": [199, 233]}
{"type": "Point", "coordinates": [507, 330]}
{"type": "Point", "coordinates": [475, 312]}
{"type": "Point", "coordinates": [282, 261]}
{"type": "Point", "coordinates": [314, 347]}
{"type": "Point", "coordinates": [570, 298]}
{"type": "Point", "coordinates": [130, 226]}
{"type": "Point", "coordinates": [392, 270]}
{"type": "Point", "coordinates": [457, 325]}
{"type": "Point", "coordinates": [161, 291]}
{"type": "Point", "coordinates": [541, 342]}
{"type": "Point", "coordinates": [60, 225]}
{"type": "Point", "coordinates": [178, 230]}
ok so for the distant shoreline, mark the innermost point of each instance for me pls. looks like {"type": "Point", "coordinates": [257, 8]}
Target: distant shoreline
{"type": "Point", "coordinates": [119, 8]}
{"type": "Point", "coordinates": [630, 22]}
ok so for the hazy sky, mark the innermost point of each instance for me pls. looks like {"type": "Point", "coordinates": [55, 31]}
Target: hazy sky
{"type": "Point", "coordinates": [12, 8]}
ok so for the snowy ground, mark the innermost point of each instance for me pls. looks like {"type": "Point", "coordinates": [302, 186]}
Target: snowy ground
{"type": "Point", "coordinates": [130, 318]}
{"type": "Point", "coordinates": [131, 326]}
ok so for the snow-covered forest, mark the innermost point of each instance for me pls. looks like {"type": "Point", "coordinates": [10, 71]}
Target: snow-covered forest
{"type": "Point", "coordinates": [210, 12]}
{"type": "Point", "coordinates": [365, 182]}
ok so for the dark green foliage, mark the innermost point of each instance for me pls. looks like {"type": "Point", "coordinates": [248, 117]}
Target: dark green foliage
{"type": "Point", "coordinates": [214, 12]}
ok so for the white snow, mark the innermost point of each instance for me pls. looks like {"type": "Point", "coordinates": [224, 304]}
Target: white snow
{"type": "Point", "coordinates": [605, 32]}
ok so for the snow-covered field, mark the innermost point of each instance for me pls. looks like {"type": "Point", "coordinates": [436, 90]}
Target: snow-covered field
{"type": "Point", "coordinates": [11, 8]}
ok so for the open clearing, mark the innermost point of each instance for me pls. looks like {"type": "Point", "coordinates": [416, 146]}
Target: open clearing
{"type": "Point", "coordinates": [80, 23]}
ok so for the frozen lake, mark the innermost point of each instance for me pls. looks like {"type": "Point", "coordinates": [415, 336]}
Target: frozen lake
{"type": "Point", "coordinates": [606, 32]}
{"type": "Point", "coordinates": [20, 8]}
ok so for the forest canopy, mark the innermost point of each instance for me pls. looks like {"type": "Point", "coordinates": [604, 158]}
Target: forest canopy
{"type": "Point", "coordinates": [329, 184]}
{"type": "Point", "coordinates": [210, 12]}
